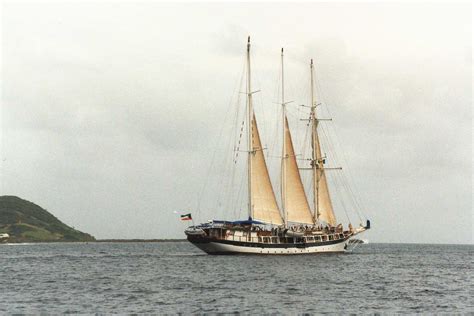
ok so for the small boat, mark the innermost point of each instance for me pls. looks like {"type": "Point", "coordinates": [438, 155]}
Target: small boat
{"type": "Point", "coordinates": [195, 231]}
{"type": "Point", "coordinates": [291, 226]}
{"type": "Point", "coordinates": [4, 237]}
{"type": "Point", "coordinates": [290, 233]}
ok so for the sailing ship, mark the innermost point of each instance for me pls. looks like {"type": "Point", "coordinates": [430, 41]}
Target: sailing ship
{"type": "Point", "coordinates": [292, 228]}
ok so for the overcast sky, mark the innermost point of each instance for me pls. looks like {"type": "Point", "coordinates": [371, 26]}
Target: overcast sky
{"type": "Point", "coordinates": [110, 113]}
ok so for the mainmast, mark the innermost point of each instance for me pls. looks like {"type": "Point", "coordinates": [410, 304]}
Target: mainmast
{"type": "Point", "coordinates": [284, 155]}
{"type": "Point", "coordinates": [295, 205]}
{"type": "Point", "coordinates": [250, 117]}
{"type": "Point", "coordinates": [314, 145]}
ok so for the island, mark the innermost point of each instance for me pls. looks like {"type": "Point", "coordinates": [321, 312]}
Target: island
{"type": "Point", "coordinates": [23, 221]}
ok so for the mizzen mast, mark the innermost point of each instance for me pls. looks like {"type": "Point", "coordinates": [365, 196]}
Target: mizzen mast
{"type": "Point", "coordinates": [249, 133]}
{"type": "Point", "coordinates": [262, 201]}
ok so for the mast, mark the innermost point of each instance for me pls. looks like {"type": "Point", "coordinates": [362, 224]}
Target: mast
{"type": "Point", "coordinates": [284, 153]}
{"type": "Point", "coordinates": [295, 206]}
{"type": "Point", "coordinates": [262, 202]}
{"type": "Point", "coordinates": [249, 146]}
{"type": "Point", "coordinates": [323, 210]}
{"type": "Point", "coordinates": [314, 153]}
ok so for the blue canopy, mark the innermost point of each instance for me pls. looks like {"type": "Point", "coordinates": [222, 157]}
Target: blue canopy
{"type": "Point", "coordinates": [241, 222]}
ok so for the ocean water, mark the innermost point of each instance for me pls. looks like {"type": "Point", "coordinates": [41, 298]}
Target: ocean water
{"type": "Point", "coordinates": [178, 278]}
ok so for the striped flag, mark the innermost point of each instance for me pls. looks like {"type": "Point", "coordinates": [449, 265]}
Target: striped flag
{"type": "Point", "coordinates": [186, 217]}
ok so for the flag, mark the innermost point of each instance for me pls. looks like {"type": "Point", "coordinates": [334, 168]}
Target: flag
{"type": "Point", "coordinates": [186, 217]}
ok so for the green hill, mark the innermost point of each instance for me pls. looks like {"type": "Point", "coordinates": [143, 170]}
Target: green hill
{"type": "Point", "coordinates": [27, 222]}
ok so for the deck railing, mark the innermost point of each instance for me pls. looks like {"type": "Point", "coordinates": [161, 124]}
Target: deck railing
{"type": "Point", "coordinates": [282, 240]}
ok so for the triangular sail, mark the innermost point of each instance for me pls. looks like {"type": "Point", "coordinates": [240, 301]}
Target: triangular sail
{"type": "Point", "coordinates": [264, 206]}
{"type": "Point", "coordinates": [325, 210]}
{"type": "Point", "coordinates": [296, 205]}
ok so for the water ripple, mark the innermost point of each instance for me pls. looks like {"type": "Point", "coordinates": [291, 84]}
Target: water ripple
{"type": "Point", "coordinates": [178, 278]}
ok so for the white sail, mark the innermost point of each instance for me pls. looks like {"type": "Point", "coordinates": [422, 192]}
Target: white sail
{"type": "Point", "coordinates": [325, 210]}
{"type": "Point", "coordinates": [264, 206]}
{"type": "Point", "coordinates": [294, 199]}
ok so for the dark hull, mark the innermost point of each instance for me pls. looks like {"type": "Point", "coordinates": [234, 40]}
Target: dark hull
{"type": "Point", "coordinates": [217, 246]}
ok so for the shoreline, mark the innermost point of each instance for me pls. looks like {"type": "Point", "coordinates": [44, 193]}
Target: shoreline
{"type": "Point", "coordinates": [139, 240]}
{"type": "Point", "coordinates": [91, 241]}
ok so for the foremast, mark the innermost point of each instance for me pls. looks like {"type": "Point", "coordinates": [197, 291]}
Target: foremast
{"type": "Point", "coordinates": [314, 153]}
{"type": "Point", "coordinates": [323, 210]}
